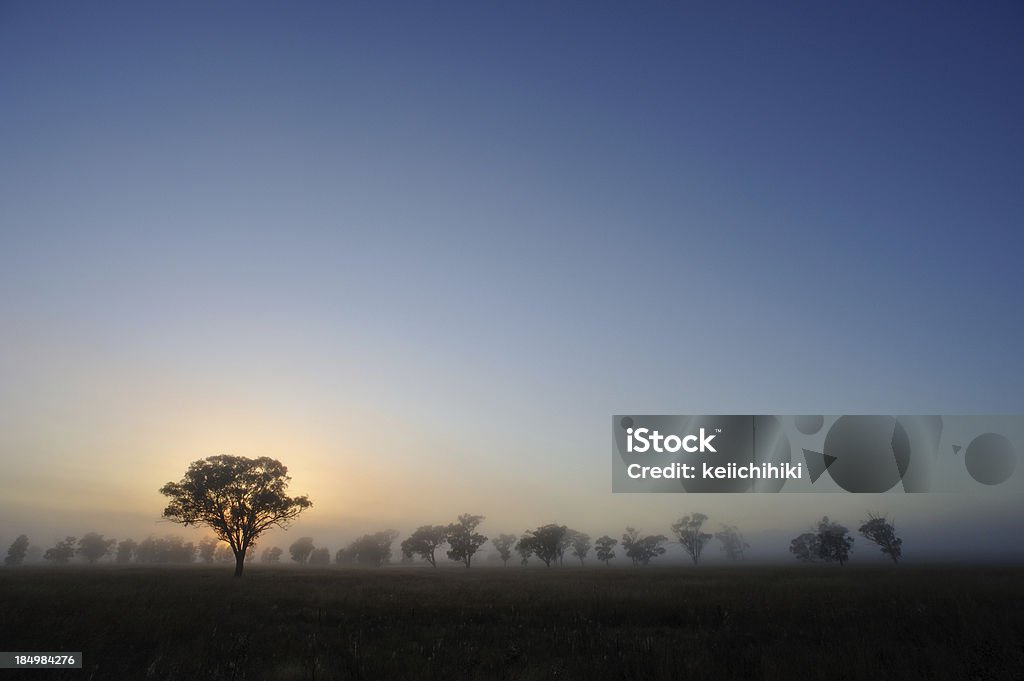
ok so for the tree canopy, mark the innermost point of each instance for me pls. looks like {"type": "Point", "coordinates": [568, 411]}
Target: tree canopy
{"type": "Point", "coordinates": [689, 531]}
{"type": "Point", "coordinates": [878, 530]}
{"type": "Point", "coordinates": [237, 497]}
{"type": "Point", "coordinates": [605, 549]}
{"type": "Point", "coordinates": [424, 542]}
{"type": "Point", "coordinates": [17, 551]}
{"type": "Point", "coordinates": [546, 542]}
{"type": "Point", "coordinates": [463, 539]}
{"type": "Point", "coordinates": [94, 546]}
{"type": "Point", "coordinates": [834, 542]}
{"type": "Point", "coordinates": [641, 550]}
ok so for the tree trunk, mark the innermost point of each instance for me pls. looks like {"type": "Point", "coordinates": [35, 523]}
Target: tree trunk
{"type": "Point", "coordinates": [239, 564]}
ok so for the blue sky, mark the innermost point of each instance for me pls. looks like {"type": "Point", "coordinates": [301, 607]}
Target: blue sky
{"type": "Point", "coordinates": [459, 237]}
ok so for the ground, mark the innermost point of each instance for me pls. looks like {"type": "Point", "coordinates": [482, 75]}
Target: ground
{"type": "Point", "coordinates": [955, 623]}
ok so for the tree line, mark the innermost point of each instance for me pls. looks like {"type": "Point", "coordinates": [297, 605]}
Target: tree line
{"type": "Point", "coordinates": [239, 499]}
{"type": "Point", "coordinates": [460, 542]}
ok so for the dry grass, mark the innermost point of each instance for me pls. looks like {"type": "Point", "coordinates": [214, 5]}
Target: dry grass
{"type": "Point", "coordinates": [658, 623]}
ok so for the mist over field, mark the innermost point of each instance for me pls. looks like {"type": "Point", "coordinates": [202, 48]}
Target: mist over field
{"type": "Point", "coordinates": [420, 254]}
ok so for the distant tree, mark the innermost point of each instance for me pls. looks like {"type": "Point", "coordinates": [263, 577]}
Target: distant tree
{"type": "Point", "coordinates": [424, 542]}
{"type": "Point", "coordinates": [372, 550]}
{"type": "Point", "coordinates": [805, 547]}
{"type": "Point", "coordinates": [125, 550]}
{"type": "Point", "coordinates": [237, 497]}
{"type": "Point", "coordinates": [834, 542]}
{"type": "Point", "coordinates": [224, 554]}
{"type": "Point", "coordinates": [605, 546]}
{"type": "Point", "coordinates": [504, 544]}
{"type": "Point", "coordinates": [524, 547]}
{"type": "Point", "coordinates": [877, 529]}
{"type": "Point", "coordinates": [564, 545]}
{"type": "Point", "coordinates": [547, 542]}
{"type": "Point", "coordinates": [271, 554]}
{"type": "Point", "coordinates": [301, 548]}
{"type": "Point", "coordinates": [320, 556]}
{"type": "Point", "coordinates": [580, 545]}
{"type": "Point", "coordinates": [17, 551]}
{"type": "Point", "coordinates": [166, 550]}
{"type": "Point", "coordinates": [208, 549]}
{"type": "Point", "coordinates": [689, 531]}
{"type": "Point", "coordinates": [641, 550]}
{"type": "Point", "coordinates": [93, 546]}
{"type": "Point", "coordinates": [463, 539]}
{"type": "Point", "coordinates": [733, 544]}
{"type": "Point", "coordinates": [62, 552]}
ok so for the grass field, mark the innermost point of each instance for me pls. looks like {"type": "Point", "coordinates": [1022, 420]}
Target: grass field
{"type": "Point", "coordinates": [781, 623]}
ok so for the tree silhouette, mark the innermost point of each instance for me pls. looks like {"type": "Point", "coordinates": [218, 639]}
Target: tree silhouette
{"type": "Point", "coordinates": [604, 550]}
{"type": "Point", "coordinates": [301, 548]}
{"type": "Point", "coordinates": [834, 542]}
{"type": "Point", "coordinates": [805, 547]}
{"type": "Point", "coordinates": [692, 538]}
{"type": "Point", "coordinates": [320, 556]}
{"type": "Point", "coordinates": [424, 542]}
{"type": "Point", "coordinates": [93, 546]}
{"type": "Point", "coordinates": [166, 550]}
{"type": "Point", "coordinates": [463, 539]}
{"type": "Point", "coordinates": [733, 543]}
{"type": "Point", "coordinates": [208, 549]}
{"type": "Point", "coordinates": [17, 551]}
{"type": "Point", "coordinates": [504, 544]}
{"type": "Point", "coordinates": [237, 497]}
{"type": "Point", "coordinates": [372, 550]}
{"type": "Point", "coordinates": [125, 551]}
{"type": "Point", "coordinates": [224, 554]}
{"type": "Point", "coordinates": [524, 547]}
{"type": "Point", "coordinates": [546, 542]}
{"type": "Point", "coordinates": [62, 552]}
{"type": "Point", "coordinates": [641, 550]}
{"type": "Point", "coordinates": [271, 554]}
{"type": "Point", "coordinates": [878, 530]}
{"type": "Point", "coordinates": [580, 545]}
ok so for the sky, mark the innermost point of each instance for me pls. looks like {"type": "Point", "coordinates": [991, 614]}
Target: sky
{"type": "Point", "coordinates": [422, 252]}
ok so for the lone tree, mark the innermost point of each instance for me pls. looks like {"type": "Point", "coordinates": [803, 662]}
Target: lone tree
{"type": "Point", "coordinates": [237, 497]}
{"type": "Point", "coordinates": [17, 551]}
{"type": "Point", "coordinates": [93, 546]}
{"type": "Point", "coordinates": [301, 549]}
{"type": "Point", "coordinates": [605, 546]}
{"type": "Point", "coordinates": [424, 542]}
{"type": "Point", "coordinates": [62, 552]}
{"type": "Point", "coordinates": [733, 544]}
{"type": "Point", "coordinates": [877, 529]}
{"type": "Point", "coordinates": [834, 542]}
{"type": "Point", "coordinates": [463, 539]}
{"type": "Point", "coordinates": [689, 532]}
{"type": "Point", "coordinates": [805, 547]}
{"type": "Point", "coordinates": [504, 544]}
{"type": "Point", "coordinates": [580, 545]}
